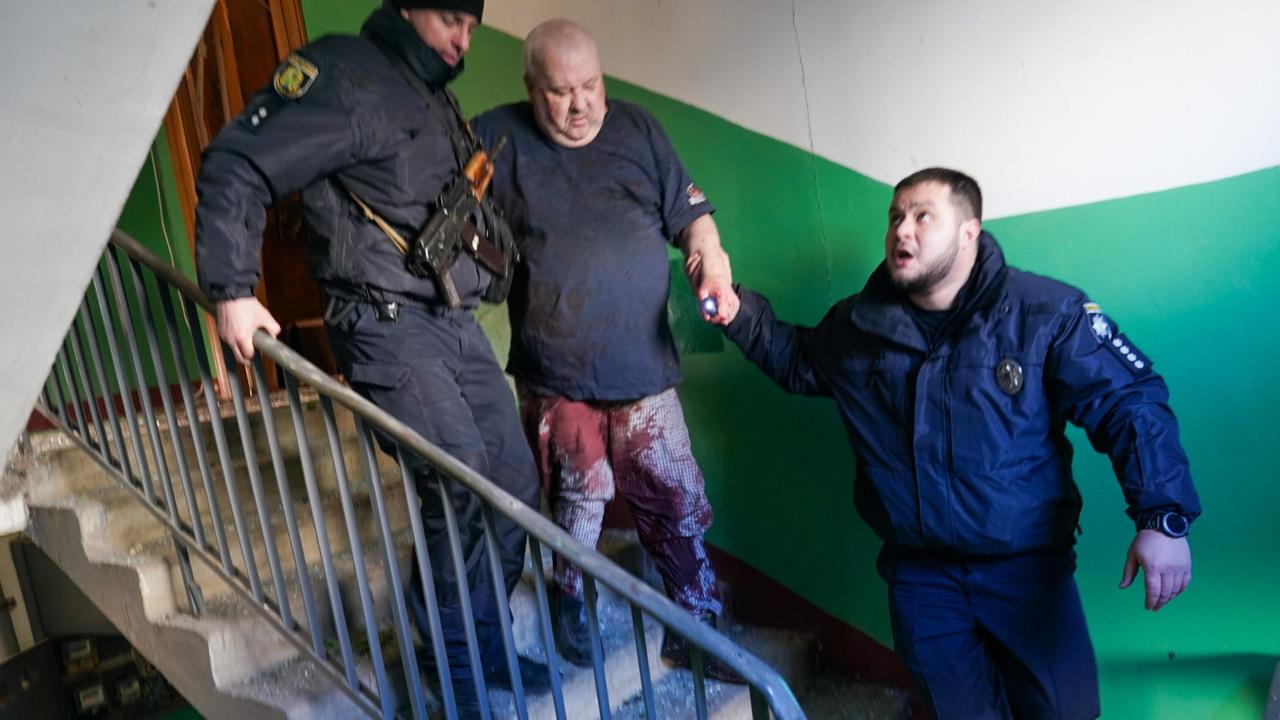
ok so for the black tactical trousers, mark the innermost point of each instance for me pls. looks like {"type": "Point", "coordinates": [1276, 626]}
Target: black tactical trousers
{"type": "Point", "coordinates": [435, 371]}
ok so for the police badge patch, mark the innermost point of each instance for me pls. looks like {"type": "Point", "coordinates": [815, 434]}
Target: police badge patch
{"type": "Point", "coordinates": [294, 77]}
{"type": "Point", "coordinates": [1110, 337]}
{"type": "Point", "coordinates": [1009, 376]}
{"type": "Point", "coordinates": [1098, 323]}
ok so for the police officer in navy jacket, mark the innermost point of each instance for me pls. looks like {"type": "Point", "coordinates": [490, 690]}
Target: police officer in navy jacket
{"type": "Point", "coordinates": [956, 376]}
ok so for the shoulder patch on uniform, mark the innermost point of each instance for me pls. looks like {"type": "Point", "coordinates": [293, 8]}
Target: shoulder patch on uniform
{"type": "Point", "coordinates": [1129, 355]}
{"type": "Point", "coordinates": [695, 195]}
{"type": "Point", "coordinates": [1102, 328]}
{"type": "Point", "coordinates": [264, 107]}
{"type": "Point", "coordinates": [1110, 337]}
{"type": "Point", "coordinates": [294, 77]}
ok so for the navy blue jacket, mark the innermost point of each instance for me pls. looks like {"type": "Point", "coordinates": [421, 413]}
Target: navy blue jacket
{"type": "Point", "coordinates": [359, 125]}
{"type": "Point", "coordinates": [948, 462]}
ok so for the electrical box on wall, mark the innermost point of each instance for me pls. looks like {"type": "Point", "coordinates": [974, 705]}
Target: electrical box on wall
{"type": "Point", "coordinates": [31, 685]}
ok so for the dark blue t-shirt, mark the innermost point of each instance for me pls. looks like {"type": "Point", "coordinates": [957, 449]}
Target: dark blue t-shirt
{"type": "Point", "coordinates": [589, 303]}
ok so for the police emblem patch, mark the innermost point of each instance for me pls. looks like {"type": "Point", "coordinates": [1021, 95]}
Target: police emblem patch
{"type": "Point", "coordinates": [1098, 323]}
{"type": "Point", "coordinates": [294, 77]}
{"type": "Point", "coordinates": [1009, 376]}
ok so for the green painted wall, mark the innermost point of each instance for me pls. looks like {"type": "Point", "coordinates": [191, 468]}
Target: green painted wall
{"type": "Point", "coordinates": [1190, 274]}
{"type": "Point", "coordinates": [152, 213]}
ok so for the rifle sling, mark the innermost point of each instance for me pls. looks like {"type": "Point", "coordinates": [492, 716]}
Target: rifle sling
{"type": "Point", "coordinates": [391, 233]}
{"type": "Point", "coordinates": [464, 143]}
{"type": "Point", "coordinates": [479, 246]}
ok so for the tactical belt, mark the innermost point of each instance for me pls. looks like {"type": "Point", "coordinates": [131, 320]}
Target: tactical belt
{"type": "Point", "coordinates": [340, 299]}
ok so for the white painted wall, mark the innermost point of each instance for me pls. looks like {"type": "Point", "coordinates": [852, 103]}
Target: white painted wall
{"type": "Point", "coordinates": [1048, 104]}
{"type": "Point", "coordinates": [84, 87]}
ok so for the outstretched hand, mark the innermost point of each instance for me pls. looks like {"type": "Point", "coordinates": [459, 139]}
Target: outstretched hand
{"type": "Point", "coordinates": [1165, 563]}
{"type": "Point", "coordinates": [238, 320]}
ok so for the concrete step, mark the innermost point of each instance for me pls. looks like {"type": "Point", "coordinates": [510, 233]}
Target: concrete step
{"type": "Point", "coordinates": [621, 668]}
{"type": "Point", "coordinates": [204, 658]}
{"type": "Point", "coordinates": [790, 654]}
{"type": "Point", "coordinates": [300, 691]}
{"type": "Point", "coordinates": [833, 697]}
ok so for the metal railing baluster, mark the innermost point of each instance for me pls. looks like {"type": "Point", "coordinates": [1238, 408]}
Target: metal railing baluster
{"type": "Point", "coordinates": [642, 653]}
{"type": "Point", "coordinates": [194, 595]}
{"type": "Point", "coordinates": [426, 579]}
{"type": "Point", "coordinates": [131, 342]}
{"type": "Point", "coordinates": [759, 706]}
{"type": "Point", "coordinates": [400, 614]}
{"type": "Point", "coordinates": [45, 398]}
{"type": "Point", "coordinates": [203, 366]}
{"type": "Point", "coordinates": [166, 403]}
{"type": "Point", "coordinates": [357, 556]}
{"type": "Point", "coordinates": [193, 416]}
{"type": "Point", "coordinates": [699, 682]}
{"type": "Point", "coordinates": [463, 583]}
{"type": "Point", "coordinates": [143, 479]}
{"type": "Point", "coordinates": [286, 502]}
{"type": "Point", "coordinates": [544, 626]}
{"type": "Point", "coordinates": [82, 372]}
{"type": "Point", "coordinates": [597, 647]}
{"type": "Point", "coordinates": [316, 503]}
{"type": "Point", "coordinates": [55, 380]}
{"type": "Point", "coordinates": [80, 426]}
{"type": "Point", "coordinates": [504, 607]}
{"type": "Point", "coordinates": [259, 497]}
{"type": "Point", "coordinates": [100, 374]}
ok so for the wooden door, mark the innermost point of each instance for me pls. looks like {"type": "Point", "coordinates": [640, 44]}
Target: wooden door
{"type": "Point", "coordinates": [242, 45]}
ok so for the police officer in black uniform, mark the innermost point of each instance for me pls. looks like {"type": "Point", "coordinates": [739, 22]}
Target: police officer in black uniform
{"type": "Point", "coordinates": [365, 128]}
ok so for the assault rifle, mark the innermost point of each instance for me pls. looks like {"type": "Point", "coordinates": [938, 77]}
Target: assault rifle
{"type": "Point", "coordinates": [451, 230]}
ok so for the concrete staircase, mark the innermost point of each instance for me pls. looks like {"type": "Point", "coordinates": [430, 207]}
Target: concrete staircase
{"type": "Point", "coordinates": [231, 663]}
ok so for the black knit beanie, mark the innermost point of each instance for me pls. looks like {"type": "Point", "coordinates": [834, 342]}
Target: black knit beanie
{"type": "Point", "coordinates": [475, 7]}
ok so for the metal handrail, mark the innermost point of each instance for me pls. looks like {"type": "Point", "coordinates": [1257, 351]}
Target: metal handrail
{"type": "Point", "coordinates": [768, 690]}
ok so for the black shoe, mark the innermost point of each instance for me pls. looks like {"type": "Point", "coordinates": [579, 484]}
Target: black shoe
{"type": "Point", "coordinates": [573, 637]}
{"type": "Point", "coordinates": [534, 676]}
{"type": "Point", "coordinates": [676, 652]}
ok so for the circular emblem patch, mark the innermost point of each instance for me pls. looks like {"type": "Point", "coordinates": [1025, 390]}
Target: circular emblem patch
{"type": "Point", "coordinates": [1009, 376]}
{"type": "Point", "coordinates": [294, 77]}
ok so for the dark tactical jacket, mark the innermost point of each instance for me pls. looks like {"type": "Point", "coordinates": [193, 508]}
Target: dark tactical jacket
{"type": "Point", "coordinates": [357, 124]}
{"type": "Point", "coordinates": [960, 448]}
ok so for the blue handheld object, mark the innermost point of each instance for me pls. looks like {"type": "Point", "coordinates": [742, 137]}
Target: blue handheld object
{"type": "Point", "coordinates": [709, 306]}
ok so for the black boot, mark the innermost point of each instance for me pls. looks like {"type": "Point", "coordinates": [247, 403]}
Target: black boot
{"type": "Point", "coordinates": [535, 677]}
{"type": "Point", "coordinates": [677, 652]}
{"type": "Point", "coordinates": [573, 637]}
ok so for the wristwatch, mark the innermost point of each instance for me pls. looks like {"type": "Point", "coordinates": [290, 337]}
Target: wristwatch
{"type": "Point", "coordinates": [1173, 524]}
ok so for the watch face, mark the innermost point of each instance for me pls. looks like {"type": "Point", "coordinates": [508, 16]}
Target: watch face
{"type": "Point", "coordinates": [1175, 525]}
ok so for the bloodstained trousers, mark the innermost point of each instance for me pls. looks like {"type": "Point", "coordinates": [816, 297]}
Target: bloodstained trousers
{"type": "Point", "coordinates": [587, 450]}
{"type": "Point", "coordinates": [434, 370]}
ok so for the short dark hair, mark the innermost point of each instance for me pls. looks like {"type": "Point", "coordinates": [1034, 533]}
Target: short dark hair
{"type": "Point", "coordinates": [965, 192]}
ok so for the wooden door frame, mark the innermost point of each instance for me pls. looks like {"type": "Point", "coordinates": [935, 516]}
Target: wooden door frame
{"type": "Point", "coordinates": [187, 134]}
